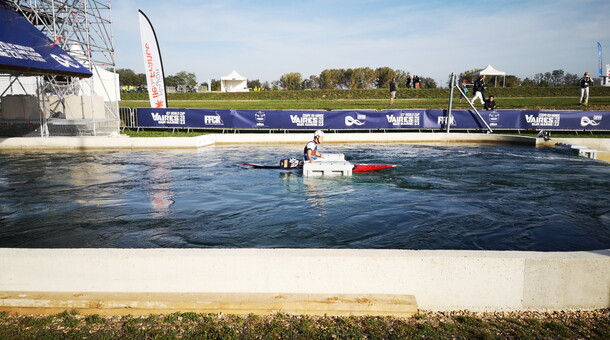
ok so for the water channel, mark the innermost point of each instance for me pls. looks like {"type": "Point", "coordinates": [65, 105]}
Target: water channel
{"type": "Point", "coordinates": [491, 197]}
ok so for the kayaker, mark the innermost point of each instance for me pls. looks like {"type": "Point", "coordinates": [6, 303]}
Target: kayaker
{"type": "Point", "coordinates": [311, 153]}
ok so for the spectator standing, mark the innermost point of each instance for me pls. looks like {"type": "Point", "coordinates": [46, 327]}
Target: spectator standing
{"type": "Point", "coordinates": [478, 87]}
{"type": "Point", "coordinates": [464, 93]}
{"type": "Point", "coordinates": [585, 82]}
{"type": "Point", "coordinates": [416, 82]}
{"type": "Point", "coordinates": [392, 90]}
{"type": "Point", "coordinates": [408, 81]}
{"type": "Point", "coordinates": [490, 104]}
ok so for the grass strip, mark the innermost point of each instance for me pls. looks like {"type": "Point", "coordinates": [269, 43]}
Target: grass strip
{"type": "Point", "coordinates": [162, 133]}
{"type": "Point", "coordinates": [462, 324]}
{"type": "Point", "coordinates": [151, 132]}
{"type": "Point", "coordinates": [513, 103]}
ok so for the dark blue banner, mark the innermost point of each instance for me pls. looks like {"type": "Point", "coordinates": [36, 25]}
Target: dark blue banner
{"type": "Point", "coordinates": [273, 119]}
{"type": "Point", "coordinates": [460, 119]}
{"type": "Point", "coordinates": [151, 117]}
{"type": "Point", "coordinates": [374, 120]}
{"type": "Point", "coordinates": [468, 119]}
{"type": "Point", "coordinates": [570, 120]}
{"type": "Point", "coordinates": [25, 49]}
{"type": "Point", "coordinates": [504, 119]}
{"type": "Point", "coordinates": [385, 119]}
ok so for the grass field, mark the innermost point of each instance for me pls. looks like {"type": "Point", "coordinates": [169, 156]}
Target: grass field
{"type": "Point", "coordinates": [518, 103]}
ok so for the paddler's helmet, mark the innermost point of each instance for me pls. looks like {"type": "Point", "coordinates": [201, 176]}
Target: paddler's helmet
{"type": "Point", "coordinates": [318, 133]}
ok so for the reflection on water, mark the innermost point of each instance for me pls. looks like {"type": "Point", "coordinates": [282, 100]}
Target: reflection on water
{"type": "Point", "coordinates": [160, 188]}
{"type": "Point", "coordinates": [439, 197]}
{"type": "Point", "coordinates": [90, 175]}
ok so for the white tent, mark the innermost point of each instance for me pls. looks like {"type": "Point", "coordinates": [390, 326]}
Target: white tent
{"type": "Point", "coordinates": [105, 84]}
{"type": "Point", "coordinates": [491, 71]}
{"type": "Point", "coordinates": [233, 82]}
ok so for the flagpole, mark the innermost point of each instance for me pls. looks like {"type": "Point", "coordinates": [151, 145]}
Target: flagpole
{"type": "Point", "coordinates": [599, 56]}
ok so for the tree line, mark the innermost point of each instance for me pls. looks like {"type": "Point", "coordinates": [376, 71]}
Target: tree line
{"type": "Point", "coordinates": [128, 77]}
{"type": "Point", "coordinates": [354, 78]}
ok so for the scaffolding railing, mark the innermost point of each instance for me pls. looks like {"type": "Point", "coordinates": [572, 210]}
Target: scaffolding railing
{"type": "Point", "coordinates": [83, 28]}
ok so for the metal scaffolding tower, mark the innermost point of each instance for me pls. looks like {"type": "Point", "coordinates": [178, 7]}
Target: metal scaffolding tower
{"type": "Point", "coordinates": [83, 28]}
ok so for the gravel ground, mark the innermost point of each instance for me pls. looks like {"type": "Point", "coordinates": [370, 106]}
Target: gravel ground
{"type": "Point", "coordinates": [453, 325]}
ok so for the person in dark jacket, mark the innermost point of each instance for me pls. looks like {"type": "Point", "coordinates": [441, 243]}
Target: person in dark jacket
{"type": "Point", "coordinates": [392, 90]}
{"type": "Point", "coordinates": [585, 82]}
{"type": "Point", "coordinates": [416, 82]}
{"type": "Point", "coordinates": [490, 104]}
{"type": "Point", "coordinates": [478, 87]}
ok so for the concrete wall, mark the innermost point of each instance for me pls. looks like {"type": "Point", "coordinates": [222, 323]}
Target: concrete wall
{"type": "Point", "coordinates": [379, 137]}
{"type": "Point", "coordinates": [98, 143]}
{"type": "Point", "coordinates": [20, 107]}
{"type": "Point", "coordinates": [124, 142]}
{"type": "Point", "coordinates": [76, 107]}
{"type": "Point", "coordinates": [440, 280]}
{"type": "Point", "coordinates": [601, 144]}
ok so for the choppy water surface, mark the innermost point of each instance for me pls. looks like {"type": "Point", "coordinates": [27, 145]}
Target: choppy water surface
{"type": "Point", "coordinates": [491, 197]}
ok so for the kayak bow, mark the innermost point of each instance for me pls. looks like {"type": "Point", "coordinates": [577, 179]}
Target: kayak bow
{"type": "Point", "coordinates": [371, 167]}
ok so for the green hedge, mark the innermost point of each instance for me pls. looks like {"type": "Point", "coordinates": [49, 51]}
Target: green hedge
{"type": "Point", "coordinates": [403, 93]}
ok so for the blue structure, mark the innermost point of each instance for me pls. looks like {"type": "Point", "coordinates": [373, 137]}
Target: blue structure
{"type": "Point", "coordinates": [372, 119]}
{"type": "Point", "coordinates": [25, 50]}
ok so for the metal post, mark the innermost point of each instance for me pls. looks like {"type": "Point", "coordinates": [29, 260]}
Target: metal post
{"type": "Point", "coordinates": [451, 82]}
{"type": "Point", "coordinates": [473, 108]}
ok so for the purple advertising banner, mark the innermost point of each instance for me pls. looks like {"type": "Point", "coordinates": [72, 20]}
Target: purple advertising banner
{"type": "Point", "coordinates": [273, 119]}
{"type": "Point", "coordinates": [468, 119]}
{"type": "Point", "coordinates": [573, 120]}
{"type": "Point", "coordinates": [373, 120]}
{"type": "Point", "coordinates": [385, 119]}
{"type": "Point", "coordinates": [152, 117]}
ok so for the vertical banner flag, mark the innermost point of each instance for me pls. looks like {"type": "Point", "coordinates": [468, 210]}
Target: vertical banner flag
{"type": "Point", "coordinates": [599, 56]}
{"type": "Point", "coordinates": [155, 79]}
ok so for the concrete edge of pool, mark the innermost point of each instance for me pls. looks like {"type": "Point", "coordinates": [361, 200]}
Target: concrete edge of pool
{"type": "Point", "coordinates": [301, 281]}
{"type": "Point", "coordinates": [602, 145]}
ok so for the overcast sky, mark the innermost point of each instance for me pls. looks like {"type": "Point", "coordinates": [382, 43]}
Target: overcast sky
{"type": "Point", "coordinates": [265, 39]}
